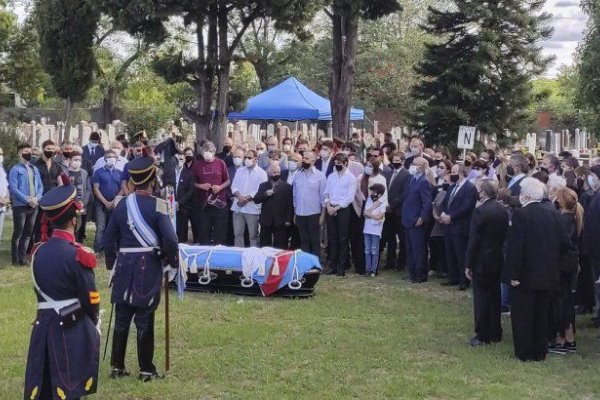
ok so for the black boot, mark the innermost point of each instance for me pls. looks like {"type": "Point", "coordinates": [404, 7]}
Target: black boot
{"type": "Point", "coordinates": [117, 358]}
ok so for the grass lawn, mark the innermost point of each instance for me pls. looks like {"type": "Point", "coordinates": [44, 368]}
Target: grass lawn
{"type": "Point", "coordinates": [357, 338]}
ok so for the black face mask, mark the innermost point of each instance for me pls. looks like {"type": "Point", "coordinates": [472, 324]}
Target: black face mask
{"type": "Point", "coordinates": [26, 156]}
{"type": "Point", "coordinates": [397, 165]}
{"type": "Point", "coordinates": [226, 149]}
{"type": "Point", "coordinates": [374, 197]}
{"type": "Point", "coordinates": [66, 154]}
{"type": "Point", "coordinates": [301, 152]}
{"type": "Point", "coordinates": [48, 154]}
{"type": "Point", "coordinates": [510, 171]}
{"type": "Point", "coordinates": [467, 163]}
{"type": "Point", "coordinates": [454, 178]}
{"type": "Point", "coordinates": [545, 170]}
{"type": "Point", "coordinates": [339, 167]}
{"type": "Point", "coordinates": [189, 159]}
{"type": "Point", "coordinates": [306, 165]}
{"type": "Point", "coordinates": [275, 178]}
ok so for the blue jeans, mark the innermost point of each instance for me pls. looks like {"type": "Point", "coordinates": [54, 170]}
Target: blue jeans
{"type": "Point", "coordinates": [371, 252]}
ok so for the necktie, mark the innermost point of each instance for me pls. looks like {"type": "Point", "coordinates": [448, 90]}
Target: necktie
{"type": "Point", "coordinates": [453, 193]}
{"type": "Point", "coordinates": [393, 177]}
{"type": "Point", "coordinates": [92, 151]}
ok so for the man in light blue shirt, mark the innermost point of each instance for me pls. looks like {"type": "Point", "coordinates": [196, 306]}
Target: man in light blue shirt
{"type": "Point", "coordinates": [309, 190]}
{"type": "Point", "coordinates": [339, 193]}
{"type": "Point", "coordinates": [26, 189]}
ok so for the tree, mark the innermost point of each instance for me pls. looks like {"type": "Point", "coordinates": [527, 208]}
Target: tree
{"type": "Point", "coordinates": [66, 29]}
{"type": "Point", "coordinates": [210, 22]}
{"type": "Point", "coordinates": [345, 16]}
{"type": "Point", "coordinates": [588, 67]}
{"type": "Point", "coordinates": [480, 68]}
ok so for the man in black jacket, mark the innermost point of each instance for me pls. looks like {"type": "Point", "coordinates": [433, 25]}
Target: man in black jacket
{"type": "Point", "coordinates": [185, 197]}
{"type": "Point", "coordinates": [536, 240]}
{"type": "Point", "coordinates": [458, 206]}
{"type": "Point", "coordinates": [277, 211]}
{"type": "Point", "coordinates": [397, 182]}
{"type": "Point", "coordinates": [489, 224]}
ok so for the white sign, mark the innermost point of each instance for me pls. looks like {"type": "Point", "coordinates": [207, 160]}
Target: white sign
{"type": "Point", "coordinates": [531, 142]}
{"type": "Point", "coordinates": [466, 137]}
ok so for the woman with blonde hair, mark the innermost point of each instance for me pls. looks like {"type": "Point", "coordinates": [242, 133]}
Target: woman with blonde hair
{"type": "Point", "coordinates": [564, 302]}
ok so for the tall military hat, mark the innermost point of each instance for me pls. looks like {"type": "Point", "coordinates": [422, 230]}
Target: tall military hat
{"type": "Point", "coordinates": [141, 170]}
{"type": "Point", "coordinates": [59, 205]}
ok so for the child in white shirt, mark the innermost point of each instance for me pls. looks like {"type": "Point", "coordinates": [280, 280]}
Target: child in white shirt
{"type": "Point", "coordinates": [374, 214]}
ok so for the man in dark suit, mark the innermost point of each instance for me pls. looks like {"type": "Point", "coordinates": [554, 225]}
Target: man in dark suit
{"type": "Point", "coordinates": [185, 192]}
{"type": "Point", "coordinates": [277, 210]}
{"type": "Point", "coordinates": [516, 171]}
{"type": "Point", "coordinates": [536, 240]}
{"type": "Point", "coordinates": [416, 211]}
{"type": "Point", "coordinates": [92, 152]}
{"type": "Point", "coordinates": [397, 182]}
{"type": "Point", "coordinates": [325, 161]}
{"type": "Point", "coordinates": [457, 209]}
{"type": "Point", "coordinates": [489, 224]}
{"type": "Point", "coordinates": [416, 149]}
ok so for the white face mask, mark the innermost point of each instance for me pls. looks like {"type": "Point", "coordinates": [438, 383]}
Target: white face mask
{"type": "Point", "coordinates": [413, 170]}
{"type": "Point", "coordinates": [208, 155]}
{"type": "Point", "coordinates": [93, 145]}
{"type": "Point", "coordinates": [324, 154]}
{"type": "Point", "coordinates": [249, 163]}
{"type": "Point", "coordinates": [110, 162]}
{"type": "Point", "coordinates": [368, 170]}
{"type": "Point", "coordinates": [415, 150]}
{"type": "Point", "coordinates": [476, 173]}
{"type": "Point", "coordinates": [116, 151]}
{"type": "Point", "coordinates": [592, 181]}
{"type": "Point", "coordinates": [75, 164]}
{"type": "Point", "coordinates": [260, 151]}
{"type": "Point", "coordinates": [238, 161]}
{"type": "Point", "coordinates": [293, 166]}
{"type": "Point", "coordinates": [287, 147]}
{"type": "Point", "coordinates": [524, 200]}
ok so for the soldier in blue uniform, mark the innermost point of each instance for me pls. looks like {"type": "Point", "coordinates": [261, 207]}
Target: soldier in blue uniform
{"type": "Point", "coordinates": [65, 339]}
{"type": "Point", "coordinates": [138, 242]}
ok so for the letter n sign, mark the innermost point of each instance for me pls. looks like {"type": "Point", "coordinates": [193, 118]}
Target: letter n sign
{"type": "Point", "coordinates": [466, 137]}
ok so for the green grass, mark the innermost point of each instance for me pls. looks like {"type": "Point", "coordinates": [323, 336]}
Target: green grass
{"type": "Point", "coordinates": [357, 338]}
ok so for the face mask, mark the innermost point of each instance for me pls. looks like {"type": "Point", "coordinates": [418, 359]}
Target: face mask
{"type": "Point", "coordinates": [248, 163]}
{"type": "Point", "coordinates": [75, 165]}
{"type": "Point", "coordinates": [301, 152]}
{"type": "Point", "coordinates": [413, 170]}
{"type": "Point", "coordinates": [260, 152]}
{"type": "Point", "coordinates": [93, 145]}
{"type": "Point", "coordinates": [339, 167]}
{"type": "Point", "coordinates": [287, 147]}
{"type": "Point", "coordinates": [272, 147]}
{"type": "Point", "coordinates": [374, 197]}
{"type": "Point", "coordinates": [293, 166]}
{"type": "Point", "coordinates": [306, 165]}
{"type": "Point", "coordinates": [226, 149]}
{"type": "Point", "coordinates": [415, 150]}
{"type": "Point", "coordinates": [454, 178]}
{"type": "Point", "coordinates": [397, 165]}
{"type": "Point", "coordinates": [66, 154]}
{"type": "Point", "coordinates": [592, 181]}
{"type": "Point", "coordinates": [238, 161]}
{"type": "Point", "coordinates": [208, 155]}
{"type": "Point", "coordinates": [117, 151]}
{"type": "Point", "coordinates": [545, 170]}
{"type": "Point", "coordinates": [476, 173]}
{"type": "Point", "coordinates": [48, 154]}
{"type": "Point", "coordinates": [346, 152]}
{"type": "Point", "coordinates": [440, 172]}
{"type": "Point", "coordinates": [468, 163]}
{"type": "Point", "coordinates": [510, 171]}
{"type": "Point", "coordinates": [324, 154]}
{"type": "Point", "coordinates": [368, 170]}
{"type": "Point", "coordinates": [275, 178]}
{"type": "Point", "coordinates": [110, 162]}
{"type": "Point", "coordinates": [189, 159]}
{"type": "Point", "coordinates": [523, 199]}
{"type": "Point", "coordinates": [26, 156]}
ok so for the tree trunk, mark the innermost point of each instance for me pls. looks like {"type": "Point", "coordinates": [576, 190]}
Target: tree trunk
{"type": "Point", "coordinates": [109, 105]}
{"type": "Point", "coordinates": [205, 72]}
{"type": "Point", "coordinates": [219, 128]}
{"type": "Point", "coordinates": [68, 118]}
{"type": "Point", "coordinates": [345, 36]}
{"type": "Point", "coordinates": [261, 68]}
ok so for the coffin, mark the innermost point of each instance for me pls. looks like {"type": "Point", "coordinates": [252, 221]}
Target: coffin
{"type": "Point", "coordinates": [249, 271]}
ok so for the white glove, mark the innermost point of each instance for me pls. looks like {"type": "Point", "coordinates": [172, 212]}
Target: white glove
{"type": "Point", "coordinates": [171, 271]}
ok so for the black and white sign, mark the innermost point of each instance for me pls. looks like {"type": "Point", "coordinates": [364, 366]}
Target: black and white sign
{"type": "Point", "coordinates": [466, 137]}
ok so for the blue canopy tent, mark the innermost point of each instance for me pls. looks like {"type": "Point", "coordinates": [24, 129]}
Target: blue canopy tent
{"type": "Point", "coordinates": [290, 101]}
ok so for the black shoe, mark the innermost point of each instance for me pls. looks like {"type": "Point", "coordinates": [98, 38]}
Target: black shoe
{"type": "Point", "coordinates": [331, 272]}
{"type": "Point", "coordinates": [505, 310]}
{"type": "Point", "coordinates": [449, 283]}
{"type": "Point", "coordinates": [474, 342]}
{"type": "Point", "coordinates": [462, 287]}
{"type": "Point", "coordinates": [341, 274]}
{"type": "Point", "coordinates": [148, 376]}
{"type": "Point", "coordinates": [116, 373]}
{"type": "Point", "coordinates": [559, 349]}
{"type": "Point", "coordinates": [571, 347]}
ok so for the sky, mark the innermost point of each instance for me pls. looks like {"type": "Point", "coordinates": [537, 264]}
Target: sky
{"type": "Point", "coordinates": [567, 19]}
{"type": "Point", "coordinates": [569, 23]}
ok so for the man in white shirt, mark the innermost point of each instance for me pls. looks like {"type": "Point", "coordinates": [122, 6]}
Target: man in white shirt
{"type": "Point", "coordinates": [245, 210]}
{"type": "Point", "coordinates": [117, 148]}
{"type": "Point", "coordinates": [339, 193]}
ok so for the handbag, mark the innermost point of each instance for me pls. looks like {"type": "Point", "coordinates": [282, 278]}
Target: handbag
{"type": "Point", "coordinates": [70, 315]}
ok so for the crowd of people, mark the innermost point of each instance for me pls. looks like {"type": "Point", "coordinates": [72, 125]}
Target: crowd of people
{"type": "Point", "coordinates": [518, 230]}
